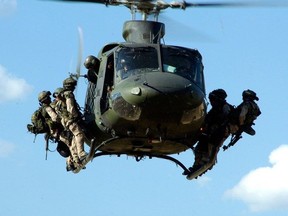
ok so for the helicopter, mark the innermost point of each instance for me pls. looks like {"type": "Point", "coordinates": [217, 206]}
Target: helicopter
{"type": "Point", "coordinates": [145, 98]}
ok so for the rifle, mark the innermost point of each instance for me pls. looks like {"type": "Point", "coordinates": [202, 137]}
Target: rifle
{"type": "Point", "coordinates": [235, 137]}
{"type": "Point", "coordinates": [47, 145]}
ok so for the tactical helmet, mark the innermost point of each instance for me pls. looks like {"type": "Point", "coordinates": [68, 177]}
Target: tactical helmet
{"type": "Point", "coordinates": [69, 83]}
{"type": "Point", "coordinates": [91, 62]}
{"type": "Point", "coordinates": [57, 92]}
{"type": "Point", "coordinates": [250, 94]}
{"type": "Point", "coordinates": [44, 95]}
{"type": "Point", "coordinates": [218, 94]}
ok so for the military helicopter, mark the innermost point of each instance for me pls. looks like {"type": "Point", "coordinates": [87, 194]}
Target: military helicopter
{"type": "Point", "coordinates": [145, 98]}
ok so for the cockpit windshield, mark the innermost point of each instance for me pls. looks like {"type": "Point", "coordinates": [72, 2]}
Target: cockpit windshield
{"type": "Point", "coordinates": [178, 60]}
{"type": "Point", "coordinates": [183, 62]}
{"type": "Point", "coordinates": [135, 60]}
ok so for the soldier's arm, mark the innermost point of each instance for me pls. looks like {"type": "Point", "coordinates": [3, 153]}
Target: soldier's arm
{"type": "Point", "coordinates": [51, 113]}
{"type": "Point", "coordinates": [70, 103]}
{"type": "Point", "coordinates": [243, 114]}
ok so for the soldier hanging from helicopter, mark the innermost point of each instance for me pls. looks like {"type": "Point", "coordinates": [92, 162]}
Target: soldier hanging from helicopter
{"type": "Point", "coordinates": [221, 121]}
{"type": "Point", "coordinates": [215, 131]}
{"type": "Point", "coordinates": [243, 117]}
{"type": "Point", "coordinates": [57, 94]}
{"type": "Point", "coordinates": [68, 109]}
{"type": "Point", "coordinates": [45, 120]}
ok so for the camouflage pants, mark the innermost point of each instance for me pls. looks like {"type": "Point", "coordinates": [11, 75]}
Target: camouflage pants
{"type": "Point", "coordinates": [77, 145]}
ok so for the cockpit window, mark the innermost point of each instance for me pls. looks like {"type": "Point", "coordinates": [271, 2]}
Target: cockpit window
{"type": "Point", "coordinates": [178, 60]}
{"type": "Point", "coordinates": [183, 62]}
{"type": "Point", "coordinates": [135, 60]}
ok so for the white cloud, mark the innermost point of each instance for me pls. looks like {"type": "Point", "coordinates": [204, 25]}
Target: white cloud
{"type": "Point", "coordinates": [203, 180]}
{"type": "Point", "coordinates": [7, 7]}
{"type": "Point", "coordinates": [12, 88]}
{"type": "Point", "coordinates": [6, 148]}
{"type": "Point", "coordinates": [265, 188]}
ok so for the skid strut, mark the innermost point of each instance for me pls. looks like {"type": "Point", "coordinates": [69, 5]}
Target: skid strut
{"type": "Point", "coordinates": [140, 156]}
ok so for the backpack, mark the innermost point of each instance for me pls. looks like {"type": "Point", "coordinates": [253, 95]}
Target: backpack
{"type": "Point", "coordinates": [39, 124]}
{"type": "Point", "coordinates": [252, 114]}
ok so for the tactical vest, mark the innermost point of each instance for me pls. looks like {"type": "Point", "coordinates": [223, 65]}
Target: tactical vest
{"type": "Point", "coordinates": [61, 108]}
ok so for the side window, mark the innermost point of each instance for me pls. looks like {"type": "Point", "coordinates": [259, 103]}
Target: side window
{"type": "Point", "coordinates": [108, 84]}
{"type": "Point", "coordinates": [90, 97]}
{"type": "Point", "coordinates": [109, 75]}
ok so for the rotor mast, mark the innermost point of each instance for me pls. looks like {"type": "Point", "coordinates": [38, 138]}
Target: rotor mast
{"type": "Point", "coordinates": [143, 30]}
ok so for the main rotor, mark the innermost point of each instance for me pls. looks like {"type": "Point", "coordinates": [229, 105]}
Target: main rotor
{"type": "Point", "coordinates": [154, 7]}
{"type": "Point", "coordinates": [136, 30]}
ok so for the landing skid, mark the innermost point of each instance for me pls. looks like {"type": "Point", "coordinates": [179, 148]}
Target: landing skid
{"type": "Point", "coordinates": [140, 156]}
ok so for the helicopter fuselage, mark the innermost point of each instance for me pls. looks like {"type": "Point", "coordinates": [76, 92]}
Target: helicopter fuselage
{"type": "Point", "coordinates": [148, 98]}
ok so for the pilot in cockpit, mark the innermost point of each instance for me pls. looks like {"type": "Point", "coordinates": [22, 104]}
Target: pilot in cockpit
{"type": "Point", "coordinates": [122, 71]}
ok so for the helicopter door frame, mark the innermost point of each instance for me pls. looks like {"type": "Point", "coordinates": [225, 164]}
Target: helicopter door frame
{"type": "Point", "coordinates": [107, 82]}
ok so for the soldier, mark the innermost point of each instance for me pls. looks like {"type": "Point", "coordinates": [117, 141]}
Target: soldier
{"type": "Point", "coordinates": [70, 114]}
{"type": "Point", "coordinates": [92, 64]}
{"type": "Point", "coordinates": [51, 117]}
{"type": "Point", "coordinates": [56, 129]}
{"type": "Point", "coordinates": [246, 113]}
{"type": "Point", "coordinates": [215, 130]}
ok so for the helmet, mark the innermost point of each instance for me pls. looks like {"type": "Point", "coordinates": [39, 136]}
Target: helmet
{"type": "Point", "coordinates": [91, 62]}
{"type": "Point", "coordinates": [69, 83]}
{"type": "Point", "coordinates": [218, 94]}
{"type": "Point", "coordinates": [250, 95]}
{"type": "Point", "coordinates": [44, 95]}
{"type": "Point", "coordinates": [57, 92]}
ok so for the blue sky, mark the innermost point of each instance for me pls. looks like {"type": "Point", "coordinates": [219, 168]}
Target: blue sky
{"type": "Point", "coordinates": [244, 48]}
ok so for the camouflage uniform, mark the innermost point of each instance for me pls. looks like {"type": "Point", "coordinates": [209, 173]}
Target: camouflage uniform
{"type": "Point", "coordinates": [68, 109]}
{"type": "Point", "coordinates": [51, 117]}
{"type": "Point", "coordinates": [53, 121]}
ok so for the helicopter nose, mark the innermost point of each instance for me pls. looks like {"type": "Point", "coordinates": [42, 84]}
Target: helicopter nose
{"type": "Point", "coordinates": [160, 97]}
{"type": "Point", "coordinates": [172, 96]}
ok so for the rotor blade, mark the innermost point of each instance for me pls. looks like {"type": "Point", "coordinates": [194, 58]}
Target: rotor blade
{"type": "Point", "coordinates": [253, 3]}
{"type": "Point", "coordinates": [152, 6]}
{"type": "Point", "coordinates": [217, 4]}
{"type": "Point", "coordinates": [88, 1]}
{"type": "Point", "coordinates": [80, 52]}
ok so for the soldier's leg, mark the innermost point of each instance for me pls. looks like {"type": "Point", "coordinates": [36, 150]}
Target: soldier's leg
{"type": "Point", "coordinates": [74, 153]}
{"type": "Point", "coordinates": [73, 158]}
{"type": "Point", "coordinates": [65, 140]}
{"type": "Point", "coordinates": [78, 137]}
{"type": "Point", "coordinates": [202, 150]}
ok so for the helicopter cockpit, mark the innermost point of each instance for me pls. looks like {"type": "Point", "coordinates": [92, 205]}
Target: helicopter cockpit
{"type": "Point", "coordinates": [184, 62]}
{"type": "Point", "coordinates": [136, 60]}
{"type": "Point", "coordinates": [178, 60]}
